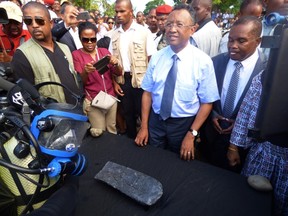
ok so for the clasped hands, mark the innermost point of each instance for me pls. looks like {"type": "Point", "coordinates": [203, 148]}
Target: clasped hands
{"type": "Point", "coordinates": [217, 120]}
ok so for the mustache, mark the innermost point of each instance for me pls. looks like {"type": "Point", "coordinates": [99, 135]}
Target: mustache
{"type": "Point", "coordinates": [36, 31]}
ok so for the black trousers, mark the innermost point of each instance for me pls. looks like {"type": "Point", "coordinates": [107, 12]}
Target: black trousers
{"type": "Point", "coordinates": [214, 148]}
{"type": "Point", "coordinates": [131, 103]}
{"type": "Point", "coordinates": [170, 133]}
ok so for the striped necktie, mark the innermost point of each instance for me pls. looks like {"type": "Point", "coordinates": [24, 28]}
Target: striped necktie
{"type": "Point", "coordinates": [232, 90]}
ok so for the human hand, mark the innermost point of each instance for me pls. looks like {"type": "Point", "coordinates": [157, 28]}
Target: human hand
{"type": "Point", "coordinates": [113, 60]}
{"type": "Point", "coordinates": [233, 155]}
{"type": "Point", "coordinates": [4, 57]}
{"type": "Point", "coordinates": [118, 89]}
{"type": "Point", "coordinates": [187, 147]}
{"type": "Point", "coordinates": [70, 18]}
{"type": "Point", "coordinates": [142, 137]}
{"type": "Point", "coordinates": [225, 121]}
{"type": "Point", "coordinates": [230, 128]}
{"type": "Point", "coordinates": [89, 68]}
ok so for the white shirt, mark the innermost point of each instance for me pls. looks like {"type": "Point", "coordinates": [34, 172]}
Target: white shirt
{"type": "Point", "coordinates": [246, 70]}
{"type": "Point", "coordinates": [75, 36]}
{"type": "Point", "coordinates": [53, 15]}
{"type": "Point", "coordinates": [195, 83]}
{"type": "Point", "coordinates": [102, 30]}
{"type": "Point", "coordinates": [126, 37]}
{"type": "Point", "coordinates": [208, 38]}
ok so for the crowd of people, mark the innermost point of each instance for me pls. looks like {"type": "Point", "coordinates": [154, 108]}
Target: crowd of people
{"type": "Point", "coordinates": [181, 80]}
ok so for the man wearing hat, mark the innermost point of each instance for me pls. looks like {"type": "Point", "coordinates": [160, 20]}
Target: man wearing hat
{"type": "Point", "coordinates": [162, 12]}
{"type": "Point", "coordinates": [12, 34]}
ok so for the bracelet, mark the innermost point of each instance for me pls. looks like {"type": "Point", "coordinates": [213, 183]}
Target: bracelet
{"type": "Point", "coordinates": [232, 149]}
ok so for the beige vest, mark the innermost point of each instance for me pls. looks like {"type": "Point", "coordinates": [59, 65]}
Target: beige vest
{"type": "Point", "coordinates": [137, 56]}
{"type": "Point", "coordinates": [44, 70]}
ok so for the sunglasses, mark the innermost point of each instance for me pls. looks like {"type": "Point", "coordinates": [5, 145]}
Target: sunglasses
{"type": "Point", "coordinates": [110, 22]}
{"type": "Point", "coordinates": [87, 40]}
{"type": "Point", "coordinates": [38, 20]}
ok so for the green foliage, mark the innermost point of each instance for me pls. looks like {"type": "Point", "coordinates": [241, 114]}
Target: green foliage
{"type": "Point", "coordinates": [108, 9]}
{"type": "Point", "coordinates": [177, 2]}
{"type": "Point", "coordinates": [223, 5]}
{"type": "Point", "coordinates": [82, 3]}
{"type": "Point", "coordinates": [152, 4]}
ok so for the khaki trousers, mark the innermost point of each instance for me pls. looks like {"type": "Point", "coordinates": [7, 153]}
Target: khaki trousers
{"type": "Point", "coordinates": [101, 119]}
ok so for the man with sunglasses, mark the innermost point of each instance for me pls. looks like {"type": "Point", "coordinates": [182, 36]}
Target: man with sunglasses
{"type": "Point", "coordinates": [41, 59]}
{"type": "Point", "coordinates": [12, 34]}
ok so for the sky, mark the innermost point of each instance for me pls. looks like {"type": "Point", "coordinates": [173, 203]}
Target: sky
{"type": "Point", "coordinates": [140, 4]}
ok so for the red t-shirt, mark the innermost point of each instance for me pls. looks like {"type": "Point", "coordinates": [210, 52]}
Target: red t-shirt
{"type": "Point", "coordinates": [11, 44]}
{"type": "Point", "coordinates": [94, 82]}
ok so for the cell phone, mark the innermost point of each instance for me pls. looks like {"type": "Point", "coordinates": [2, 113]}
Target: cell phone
{"type": "Point", "coordinates": [101, 65]}
{"type": "Point", "coordinates": [83, 15]}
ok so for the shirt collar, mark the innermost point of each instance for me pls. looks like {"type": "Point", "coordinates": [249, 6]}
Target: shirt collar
{"type": "Point", "coordinates": [184, 52]}
{"type": "Point", "coordinates": [249, 60]}
{"type": "Point", "coordinates": [132, 27]}
{"type": "Point", "coordinates": [204, 22]}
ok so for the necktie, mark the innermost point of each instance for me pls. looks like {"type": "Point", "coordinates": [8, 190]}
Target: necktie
{"type": "Point", "coordinates": [168, 94]}
{"type": "Point", "coordinates": [232, 90]}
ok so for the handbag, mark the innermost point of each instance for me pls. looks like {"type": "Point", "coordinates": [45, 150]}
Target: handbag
{"type": "Point", "coordinates": [103, 100]}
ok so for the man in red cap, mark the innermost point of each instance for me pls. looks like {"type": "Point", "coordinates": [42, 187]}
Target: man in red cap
{"type": "Point", "coordinates": [162, 12]}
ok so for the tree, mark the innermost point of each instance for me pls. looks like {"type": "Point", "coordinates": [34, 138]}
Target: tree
{"type": "Point", "coordinates": [152, 4]}
{"type": "Point", "coordinates": [82, 3]}
{"type": "Point", "coordinates": [224, 5]}
{"type": "Point", "coordinates": [108, 9]}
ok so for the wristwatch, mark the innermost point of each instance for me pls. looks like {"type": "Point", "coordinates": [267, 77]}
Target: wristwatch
{"type": "Point", "coordinates": [193, 132]}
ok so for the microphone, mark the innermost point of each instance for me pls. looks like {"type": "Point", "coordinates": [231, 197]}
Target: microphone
{"type": "Point", "coordinates": [274, 18]}
{"type": "Point", "coordinates": [22, 92]}
{"type": "Point", "coordinates": [6, 85]}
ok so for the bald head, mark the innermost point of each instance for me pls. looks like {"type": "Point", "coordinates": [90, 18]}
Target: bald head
{"type": "Point", "coordinates": [38, 6]}
{"type": "Point", "coordinates": [206, 3]}
{"type": "Point", "coordinates": [128, 3]}
{"type": "Point", "coordinates": [257, 25]}
{"type": "Point", "coordinates": [251, 8]}
{"type": "Point", "coordinates": [278, 6]}
{"type": "Point", "coordinates": [203, 9]}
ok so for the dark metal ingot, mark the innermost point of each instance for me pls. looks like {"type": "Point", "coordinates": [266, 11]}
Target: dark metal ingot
{"type": "Point", "coordinates": [137, 185]}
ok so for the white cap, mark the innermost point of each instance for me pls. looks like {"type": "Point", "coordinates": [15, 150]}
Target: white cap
{"type": "Point", "coordinates": [13, 10]}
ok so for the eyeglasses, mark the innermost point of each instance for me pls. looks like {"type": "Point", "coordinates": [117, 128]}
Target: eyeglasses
{"type": "Point", "coordinates": [176, 25]}
{"type": "Point", "coordinates": [39, 21]}
{"type": "Point", "coordinates": [110, 22]}
{"type": "Point", "coordinates": [87, 40]}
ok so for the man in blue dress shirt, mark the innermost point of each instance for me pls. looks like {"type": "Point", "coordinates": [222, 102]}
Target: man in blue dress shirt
{"type": "Point", "coordinates": [195, 89]}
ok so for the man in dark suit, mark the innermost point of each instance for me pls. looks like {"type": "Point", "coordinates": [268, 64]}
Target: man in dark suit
{"type": "Point", "coordinates": [67, 31]}
{"type": "Point", "coordinates": [234, 73]}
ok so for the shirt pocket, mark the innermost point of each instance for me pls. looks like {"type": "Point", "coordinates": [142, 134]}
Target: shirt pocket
{"type": "Point", "coordinates": [138, 46]}
{"type": "Point", "coordinates": [114, 43]}
{"type": "Point", "coordinates": [185, 94]}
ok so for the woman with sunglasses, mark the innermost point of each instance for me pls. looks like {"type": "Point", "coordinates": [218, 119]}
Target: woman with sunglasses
{"type": "Point", "coordinates": [84, 59]}
{"type": "Point", "coordinates": [110, 23]}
